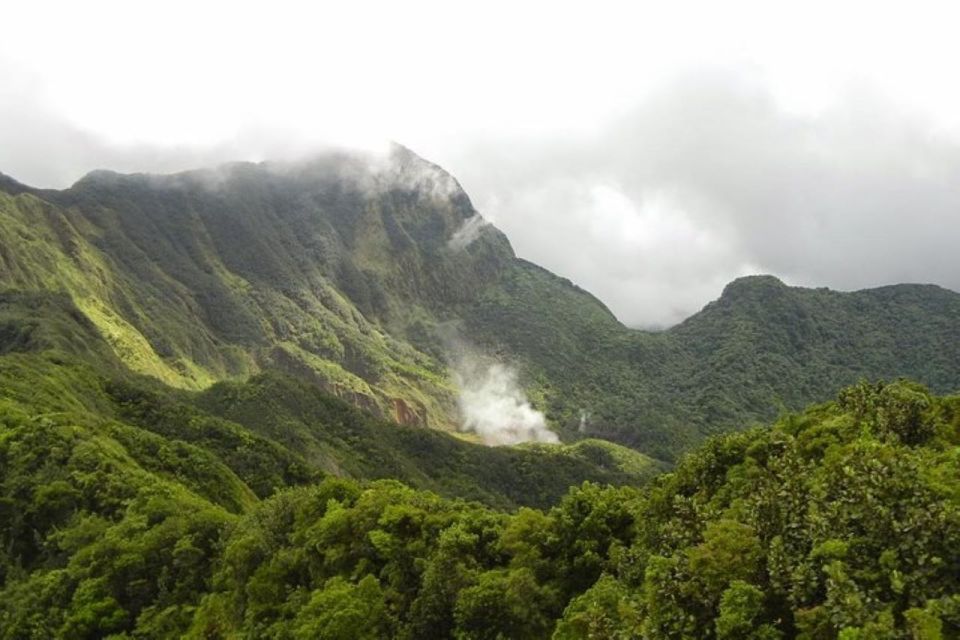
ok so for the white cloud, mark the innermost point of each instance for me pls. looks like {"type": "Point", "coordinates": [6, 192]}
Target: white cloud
{"type": "Point", "coordinates": [468, 232]}
{"type": "Point", "coordinates": [710, 179]}
{"type": "Point", "coordinates": [433, 73]}
{"type": "Point", "coordinates": [814, 140]}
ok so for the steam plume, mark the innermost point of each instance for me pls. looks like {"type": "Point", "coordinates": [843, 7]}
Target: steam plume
{"type": "Point", "coordinates": [584, 421]}
{"type": "Point", "coordinates": [493, 406]}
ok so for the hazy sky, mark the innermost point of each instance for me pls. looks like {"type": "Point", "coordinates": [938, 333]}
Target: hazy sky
{"type": "Point", "coordinates": [650, 152]}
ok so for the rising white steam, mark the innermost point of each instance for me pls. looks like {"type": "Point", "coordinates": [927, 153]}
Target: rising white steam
{"type": "Point", "coordinates": [468, 232]}
{"type": "Point", "coordinates": [584, 421]}
{"type": "Point", "coordinates": [493, 406]}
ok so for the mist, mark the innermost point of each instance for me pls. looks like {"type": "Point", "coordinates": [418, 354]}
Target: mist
{"type": "Point", "coordinates": [468, 232]}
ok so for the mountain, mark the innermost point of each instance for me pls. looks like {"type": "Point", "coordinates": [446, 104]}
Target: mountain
{"type": "Point", "coordinates": [363, 274]}
{"type": "Point", "coordinates": [213, 275]}
{"type": "Point", "coordinates": [228, 403]}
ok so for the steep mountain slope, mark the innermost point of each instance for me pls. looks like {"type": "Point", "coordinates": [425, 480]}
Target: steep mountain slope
{"type": "Point", "coordinates": [362, 274]}
{"type": "Point", "coordinates": [210, 275]}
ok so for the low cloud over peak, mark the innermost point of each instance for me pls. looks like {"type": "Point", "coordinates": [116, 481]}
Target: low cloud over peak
{"type": "Point", "coordinates": [703, 180]}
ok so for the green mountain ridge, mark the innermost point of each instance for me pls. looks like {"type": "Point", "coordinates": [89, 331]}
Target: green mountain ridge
{"type": "Point", "coordinates": [272, 430]}
{"type": "Point", "coordinates": [340, 270]}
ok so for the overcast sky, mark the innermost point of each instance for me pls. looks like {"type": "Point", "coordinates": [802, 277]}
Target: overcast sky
{"type": "Point", "coordinates": [649, 152]}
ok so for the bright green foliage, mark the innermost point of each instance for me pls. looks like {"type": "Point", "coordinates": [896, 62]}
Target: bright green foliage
{"type": "Point", "coordinates": [129, 510]}
{"type": "Point", "coordinates": [605, 610]}
{"type": "Point", "coordinates": [344, 611]}
{"type": "Point", "coordinates": [924, 624]}
{"type": "Point", "coordinates": [740, 607]}
{"type": "Point", "coordinates": [507, 603]}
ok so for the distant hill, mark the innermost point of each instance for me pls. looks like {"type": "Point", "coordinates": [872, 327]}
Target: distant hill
{"type": "Point", "coordinates": [356, 272]}
{"type": "Point", "coordinates": [760, 349]}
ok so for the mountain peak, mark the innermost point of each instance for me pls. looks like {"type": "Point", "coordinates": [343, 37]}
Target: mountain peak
{"type": "Point", "coordinates": [11, 186]}
{"type": "Point", "coordinates": [761, 285]}
{"type": "Point", "coordinates": [395, 168]}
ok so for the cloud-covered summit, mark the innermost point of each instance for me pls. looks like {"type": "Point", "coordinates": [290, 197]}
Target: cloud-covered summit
{"type": "Point", "coordinates": [705, 179]}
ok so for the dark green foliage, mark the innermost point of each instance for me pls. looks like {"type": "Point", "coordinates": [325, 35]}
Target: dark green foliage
{"type": "Point", "coordinates": [262, 464]}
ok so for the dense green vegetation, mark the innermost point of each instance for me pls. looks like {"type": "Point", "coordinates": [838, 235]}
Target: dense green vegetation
{"type": "Point", "coordinates": [340, 270]}
{"type": "Point", "coordinates": [270, 431]}
{"type": "Point", "coordinates": [843, 521]}
{"type": "Point", "coordinates": [840, 522]}
{"type": "Point", "coordinates": [117, 491]}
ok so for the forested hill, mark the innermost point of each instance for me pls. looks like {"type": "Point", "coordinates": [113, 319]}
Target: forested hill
{"type": "Point", "coordinates": [356, 272]}
{"type": "Point", "coordinates": [841, 522]}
